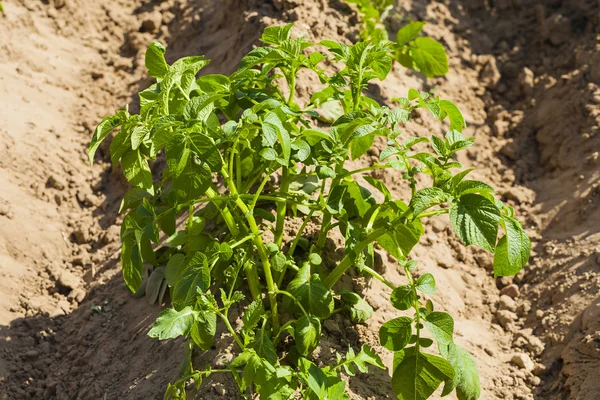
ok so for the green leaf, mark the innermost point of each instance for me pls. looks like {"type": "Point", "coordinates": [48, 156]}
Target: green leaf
{"type": "Point", "coordinates": [138, 134]}
{"type": "Point", "coordinates": [131, 264]}
{"type": "Point", "coordinates": [513, 249]}
{"type": "Point", "coordinates": [395, 334]}
{"type": "Point", "coordinates": [357, 309]}
{"type": "Point", "coordinates": [403, 297]}
{"type": "Point", "coordinates": [360, 145]}
{"type": "Point", "coordinates": [466, 378]}
{"type": "Point", "coordinates": [171, 323]}
{"type": "Point", "coordinates": [101, 132]}
{"type": "Point", "coordinates": [137, 171]}
{"type": "Point", "coordinates": [439, 146]}
{"type": "Point", "coordinates": [429, 57]}
{"type": "Point", "coordinates": [475, 220]}
{"type": "Point", "coordinates": [426, 284]}
{"type": "Point", "coordinates": [377, 184]}
{"type": "Point", "coordinates": [204, 330]}
{"type": "Point", "coordinates": [417, 375]}
{"type": "Point", "coordinates": [264, 347]}
{"type": "Point", "coordinates": [195, 275]}
{"type": "Point", "coordinates": [133, 198]}
{"type": "Point", "coordinates": [467, 187]}
{"type": "Point", "coordinates": [307, 334]}
{"type": "Point", "coordinates": [276, 34]}
{"type": "Point", "coordinates": [314, 296]}
{"type": "Point", "coordinates": [441, 326]}
{"type": "Point", "coordinates": [198, 108]}
{"type": "Point", "coordinates": [173, 268]}
{"type": "Point", "coordinates": [366, 356]}
{"type": "Point", "coordinates": [205, 148]}
{"type": "Point", "coordinates": [409, 32]}
{"type": "Point", "coordinates": [252, 315]}
{"type": "Point", "coordinates": [427, 197]}
{"type": "Point", "coordinates": [457, 121]}
{"type": "Point", "coordinates": [155, 60]}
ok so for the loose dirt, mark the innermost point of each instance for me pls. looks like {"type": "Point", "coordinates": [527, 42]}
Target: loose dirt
{"type": "Point", "coordinates": [526, 77]}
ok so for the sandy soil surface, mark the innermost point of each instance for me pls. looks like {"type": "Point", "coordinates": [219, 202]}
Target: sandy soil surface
{"type": "Point", "coordinates": [527, 78]}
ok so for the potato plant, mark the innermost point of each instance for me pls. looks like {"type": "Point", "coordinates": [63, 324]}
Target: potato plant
{"type": "Point", "coordinates": [242, 157]}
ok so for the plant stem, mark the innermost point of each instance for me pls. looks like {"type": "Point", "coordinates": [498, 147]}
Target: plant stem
{"type": "Point", "coordinates": [262, 253]}
{"type": "Point", "coordinates": [326, 214]}
{"type": "Point", "coordinates": [292, 248]}
{"type": "Point", "coordinates": [292, 84]}
{"type": "Point", "coordinates": [259, 190]}
{"type": "Point", "coordinates": [372, 168]}
{"type": "Point", "coordinates": [282, 207]}
{"type": "Point", "coordinates": [231, 330]}
{"type": "Point", "coordinates": [375, 274]}
{"type": "Point", "coordinates": [432, 213]}
{"type": "Point", "coordinates": [251, 272]}
{"type": "Point", "coordinates": [225, 213]}
{"type": "Point", "coordinates": [346, 262]}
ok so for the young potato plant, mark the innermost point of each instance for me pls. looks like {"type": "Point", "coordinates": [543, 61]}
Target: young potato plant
{"type": "Point", "coordinates": [224, 138]}
{"type": "Point", "coordinates": [420, 53]}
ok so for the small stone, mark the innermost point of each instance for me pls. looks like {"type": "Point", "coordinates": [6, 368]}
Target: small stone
{"type": "Point", "coordinates": [58, 199]}
{"type": "Point", "coordinates": [32, 354]}
{"type": "Point", "coordinates": [539, 314]}
{"type": "Point", "coordinates": [506, 318]}
{"type": "Point", "coordinates": [89, 275]}
{"type": "Point", "coordinates": [535, 345]}
{"type": "Point", "coordinates": [152, 22]}
{"type": "Point", "coordinates": [81, 235]}
{"type": "Point", "coordinates": [511, 291]}
{"type": "Point", "coordinates": [77, 295]}
{"type": "Point", "coordinates": [527, 81]}
{"type": "Point", "coordinates": [378, 261]}
{"type": "Point", "coordinates": [490, 74]}
{"type": "Point", "coordinates": [90, 200]}
{"type": "Point", "coordinates": [507, 303]}
{"type": "Point", "coordinates": [522, 360]}
{"type": "Point", "coordinates": [68, 280]}
{"type": "Point", "coordinates": [97, 75]}
{"type": "Point", "coordinates": [56, 183]}
{"type": "Point", "coordinates": [6, 210]}
{"type": "Point", "coordinates": [503, 281]}
{"type": "Point", "coordinates": [333, 327]}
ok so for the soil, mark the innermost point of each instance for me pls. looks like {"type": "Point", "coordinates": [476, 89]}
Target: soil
{"type": "Point", "coordinates": [527, 78]}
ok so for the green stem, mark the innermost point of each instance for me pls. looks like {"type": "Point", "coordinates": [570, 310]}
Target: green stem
{"type": "Point", "coordinates": [346, 262]}
{"type": "Point", "coordinates": [292, 84]}
{"type": "Point", "coordinates": [259, 190]}
{"type": "Point", "coordinates": [326, 214]}
{"type": "Point", "coordinates": [292, 248]}
{"type": "Point", "coordinates": [262, 253]}
{"type": "Point", "coordinates": [225, 213]}
{"type": "Point", "coordinates": [432, 213]}
{"type": "Point", "coordinates": [232, 331]}
{"type": "Point", "coordinates": [282, 208]}
{"type": "Point", "coordinates": [372, 168]}
{"type": "Point", "coordinates": [251, 272]}
{"type": "Point", "coordinates": [291, 296]}
{"type": "Point", "coordinates": [380, 278]}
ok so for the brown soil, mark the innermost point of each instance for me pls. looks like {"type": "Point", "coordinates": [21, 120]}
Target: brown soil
{"type": "Point", "coordinates": [526, 77]}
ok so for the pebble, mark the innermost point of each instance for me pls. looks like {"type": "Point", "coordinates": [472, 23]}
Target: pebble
{"type": "Point", "coordinates": [506, 318]}
{"type": "Point", "coordinates": [511, 291]}
{"type": "Point", "coordinates": [81, 236]}
{"type": "Point", "coordinates": [522, 360]}
{"type": "Point", "coordinates": [77, 295]}
{"type": "Point", "coordinates": [507, 303]}
{"type": "Point", "coordinates": [68, 280]}
{"type": "Point", "coordinates": [56, 183]}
